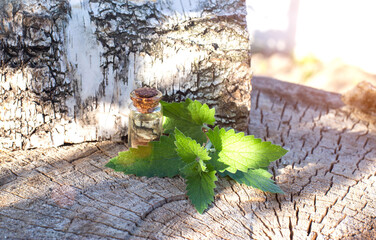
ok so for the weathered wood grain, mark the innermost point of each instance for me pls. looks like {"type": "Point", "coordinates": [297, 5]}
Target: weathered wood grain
{"type": "Point", "coordinates": [328, 177]}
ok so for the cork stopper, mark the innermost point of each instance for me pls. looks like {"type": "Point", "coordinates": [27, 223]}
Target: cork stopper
{"type": "Point", "coordinates": [146, 99]}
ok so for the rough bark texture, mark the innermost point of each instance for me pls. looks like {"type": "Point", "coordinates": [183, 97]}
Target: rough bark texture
{"type": "Point", "coordinates": [328, 177]}
{"type": "Point", "coordinates": [67, 67]}
{"type": "Point", "coordinates": [362, 97]}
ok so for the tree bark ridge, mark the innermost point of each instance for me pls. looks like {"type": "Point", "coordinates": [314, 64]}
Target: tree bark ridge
{"type": "Point", "coordinates": [67, 67]}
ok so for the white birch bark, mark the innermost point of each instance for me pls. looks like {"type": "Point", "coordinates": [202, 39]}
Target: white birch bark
{"type": "Point", "coordinates": [67, 67]}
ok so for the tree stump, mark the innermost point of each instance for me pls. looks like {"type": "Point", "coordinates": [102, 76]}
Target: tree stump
{"type": "Point", "coordinates": [328, 177]}
{"type": "Point", "coordinates": [67, 67]}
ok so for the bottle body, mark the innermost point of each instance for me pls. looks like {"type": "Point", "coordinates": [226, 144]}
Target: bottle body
{"type": "Point", "coordinates": [145, 118]}
{"type": "Point", "coordinates": [144, 127]}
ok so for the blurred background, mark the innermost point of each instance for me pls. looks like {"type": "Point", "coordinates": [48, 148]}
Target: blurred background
{"type": "Point", "coordinates": [329, 45]}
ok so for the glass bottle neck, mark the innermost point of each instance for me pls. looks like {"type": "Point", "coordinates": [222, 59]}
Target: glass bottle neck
{"type": "Point", "coordinates": [146, 111]}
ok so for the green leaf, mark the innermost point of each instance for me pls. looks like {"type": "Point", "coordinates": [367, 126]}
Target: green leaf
{"type": "Point", "coordinates": [189, 150]}
{"type": "Point", "coordinates": [241, 152]}
{"type": "Point", "coordinates": [189, 168]}
{"type": "Point", "coordinates": [200, 181]}
{"type": "Point", "coordinates": [111, 163]}
{"type": "Point", "coordinates": [189, 117]}
{"type": "Point", "coordinates": [216, 164]}
{"type": "Point", "coordinates": [200, 186]}
{"type": "Point", "coordinates": [257, 178]}
{"type": "Point", "coordinates": [158, 158]}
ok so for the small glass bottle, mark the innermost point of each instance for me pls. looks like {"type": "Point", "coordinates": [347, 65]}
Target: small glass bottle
{"type": "Point", "coordinates": [145, 119]}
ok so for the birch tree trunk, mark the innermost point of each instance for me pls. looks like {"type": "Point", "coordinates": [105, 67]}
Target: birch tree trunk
{"type": "Point", "coordinates": [67, 67]}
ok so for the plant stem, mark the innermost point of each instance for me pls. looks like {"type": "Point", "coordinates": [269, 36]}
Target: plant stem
{"type": "Point", "coordinates": [206, 127]}
{"type": "Point", "coordinates": [208, 145]}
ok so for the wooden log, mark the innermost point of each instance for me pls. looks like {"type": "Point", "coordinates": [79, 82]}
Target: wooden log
{"type": "Point", "coordinates": [67, 67]}
{"type": "Point", "coordinates": [328, 177]}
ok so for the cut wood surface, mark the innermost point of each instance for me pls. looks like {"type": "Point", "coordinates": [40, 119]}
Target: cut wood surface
{"type": "Point", "coordinates": [328, 177]}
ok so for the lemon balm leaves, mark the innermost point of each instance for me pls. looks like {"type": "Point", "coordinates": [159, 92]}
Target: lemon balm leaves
{"type": "Point", "coordinates": [200, 187]}
{"type": "Point", "coordinates": [197, 156]}
{"type": "Point", "coordinates": [200, 181]}
{"type": "Point", "coordinates": [188, 149]}
{"type": "Point", "coordinates": [257, 178]}
{"type": "Point", "coordinates": [189, 117]}
{"type": "Point", "coordinates": [201, 113]}
{"type": "Point", "coordinates": [158, 158]}
{"type": "Point", "coordinates": [240, 152]}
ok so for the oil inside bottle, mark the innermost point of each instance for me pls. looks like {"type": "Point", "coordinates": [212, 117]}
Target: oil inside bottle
{"type": "Point", "coordinates": [145, 119]}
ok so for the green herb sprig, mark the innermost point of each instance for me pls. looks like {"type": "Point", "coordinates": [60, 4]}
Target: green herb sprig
{"type": "Point", "coordinates": [198, 156]}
